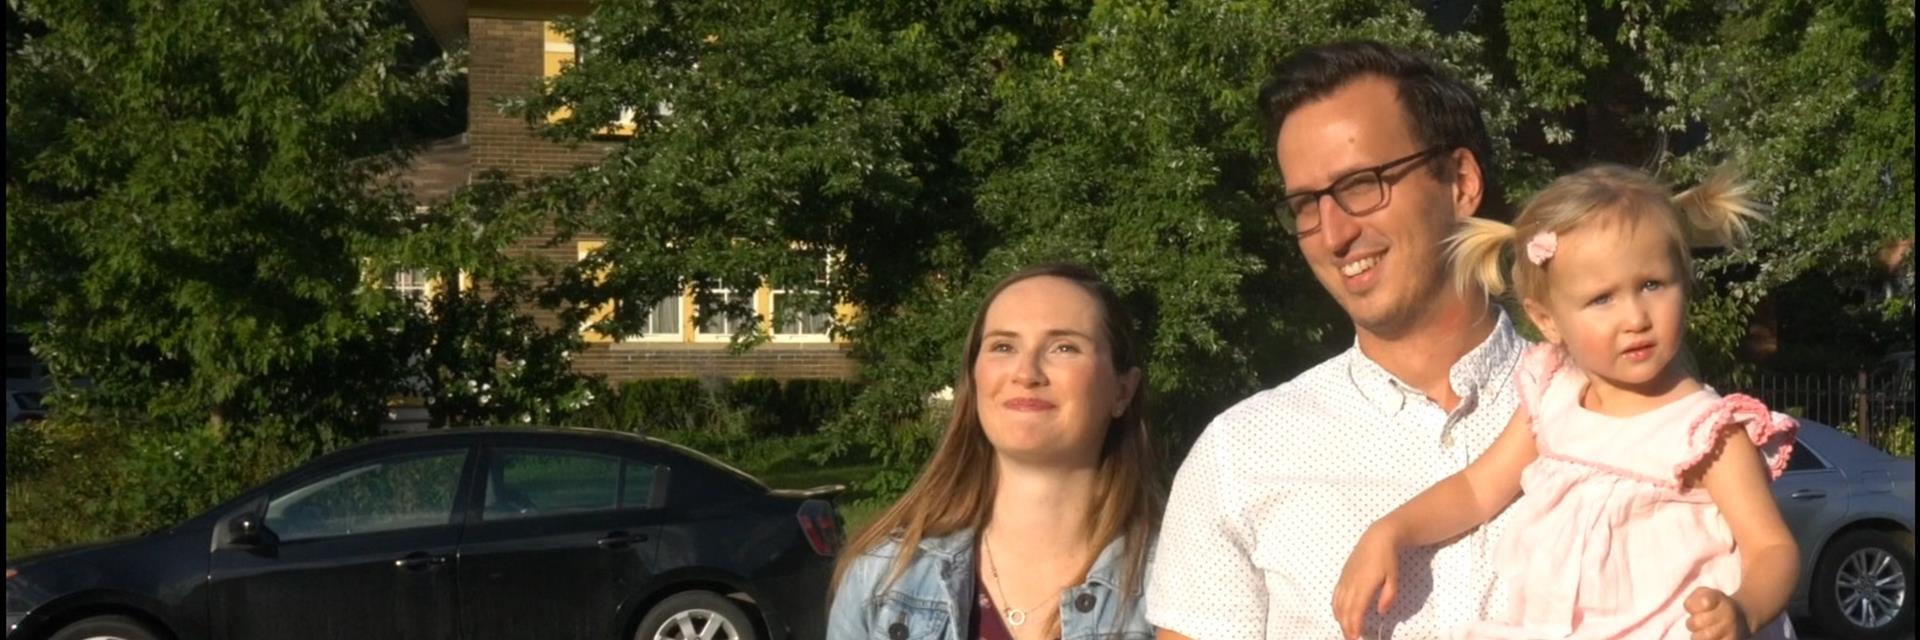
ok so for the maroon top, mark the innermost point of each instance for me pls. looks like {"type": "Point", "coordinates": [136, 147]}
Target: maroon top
{"type": "Point", "coordinates": [987, 624]}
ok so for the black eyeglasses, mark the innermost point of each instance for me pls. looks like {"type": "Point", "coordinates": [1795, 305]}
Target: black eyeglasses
{"type": "Point", "coordinates": [1358, 193]}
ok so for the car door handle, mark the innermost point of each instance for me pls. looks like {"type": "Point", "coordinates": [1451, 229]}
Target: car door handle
{"type": "Point", "coordinates": [420, 560]}
{"type": "Point", "coordinates": [1807, 494]}
{"type": "Point", "coordinates": [620, 539]}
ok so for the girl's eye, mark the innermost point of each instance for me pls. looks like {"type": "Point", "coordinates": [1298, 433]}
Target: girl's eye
{"type": "Point", "coordinates": [1652, 285]}
{"type": "Point", "coordinates": [1601, 300]}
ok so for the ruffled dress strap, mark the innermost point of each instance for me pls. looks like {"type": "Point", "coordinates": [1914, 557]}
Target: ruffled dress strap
{"type": "Point", "coordinates": [1538, 366]}
{"type": "Point", "coordinates": [1772, 432]}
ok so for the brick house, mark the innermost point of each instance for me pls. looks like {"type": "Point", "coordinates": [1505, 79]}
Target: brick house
{"type": "Point", "coordinates": [511, 45]}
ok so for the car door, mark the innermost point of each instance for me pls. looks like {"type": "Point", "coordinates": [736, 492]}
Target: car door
{"type": "Point", "coordinates": [1812, 495]}
{"type": "Point", "coordinates": [361, 550]}
{"type": "Point", "coordinates": [560, 536]}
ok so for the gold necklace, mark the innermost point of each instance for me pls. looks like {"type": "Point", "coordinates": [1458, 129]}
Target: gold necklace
{"type": "Point", "coordinates": [1014, 616]}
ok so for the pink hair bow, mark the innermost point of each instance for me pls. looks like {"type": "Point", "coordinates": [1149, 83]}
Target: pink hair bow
{"type": "Point", "coordinates": [1542, 247]}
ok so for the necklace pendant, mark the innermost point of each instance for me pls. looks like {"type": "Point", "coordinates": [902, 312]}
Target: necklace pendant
{"type": "Point", "coordinates": [1016, 617]}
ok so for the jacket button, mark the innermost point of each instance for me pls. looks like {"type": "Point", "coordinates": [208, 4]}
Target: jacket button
{"type": "Point", "coordinates": [1084, 602]}
{"type": "Point", "coordinates": [897, 631]}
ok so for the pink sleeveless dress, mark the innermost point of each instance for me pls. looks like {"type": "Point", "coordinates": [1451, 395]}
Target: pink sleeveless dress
{"type": "Point", "coordinates": [1605, 542]}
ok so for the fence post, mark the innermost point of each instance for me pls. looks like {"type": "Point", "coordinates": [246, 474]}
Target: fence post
{"type": "Point", "coordinates": [1862, 408]}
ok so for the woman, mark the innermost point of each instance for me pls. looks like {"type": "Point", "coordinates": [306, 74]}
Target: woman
{"type": "Point", "coordinates": [1035, 517]}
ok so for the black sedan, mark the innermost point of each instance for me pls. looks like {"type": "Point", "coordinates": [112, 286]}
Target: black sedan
{"type": "Point", "coordinates": [473, 534]}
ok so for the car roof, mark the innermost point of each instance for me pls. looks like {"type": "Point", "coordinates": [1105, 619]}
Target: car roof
{"type": "Point", "coordinates": [466, 435]}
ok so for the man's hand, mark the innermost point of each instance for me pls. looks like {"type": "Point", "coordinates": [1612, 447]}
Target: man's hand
{"type": "Point", "coordinates": [1374, 566]}
{"type": "Point", "coordinates": [1713, 615]}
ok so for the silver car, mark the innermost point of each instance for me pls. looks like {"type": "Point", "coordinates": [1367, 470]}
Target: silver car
{"type": "Point", "coordinates": [1850, 507]}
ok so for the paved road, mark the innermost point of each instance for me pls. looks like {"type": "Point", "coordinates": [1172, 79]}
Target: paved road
{"type": "Point", "coordinates": [1808, 632]}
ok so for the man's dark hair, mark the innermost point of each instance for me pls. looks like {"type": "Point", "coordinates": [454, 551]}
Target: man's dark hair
{"type": "Point", "coordinates": [1442, 109]}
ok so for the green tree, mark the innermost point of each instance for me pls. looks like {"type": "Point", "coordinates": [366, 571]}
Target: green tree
{"type": "Point", "coordinates": [193, 194]}
{"type": "Point", "coordinates": [930, 149]}
{"type": "Point", "coordinates": [1812, 100]}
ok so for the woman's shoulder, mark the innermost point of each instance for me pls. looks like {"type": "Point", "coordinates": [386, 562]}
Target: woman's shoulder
{"type": "Point", "coordinates": [876, 563]}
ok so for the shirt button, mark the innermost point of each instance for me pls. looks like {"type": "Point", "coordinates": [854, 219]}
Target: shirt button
{"type": "Point", "coordinates": [1084, 602]}
{"type": "Point", "coordinates": [897, 631]}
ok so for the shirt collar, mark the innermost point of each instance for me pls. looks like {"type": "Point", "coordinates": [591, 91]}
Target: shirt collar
{"type": "Point", "coordinates": [1488, 365]}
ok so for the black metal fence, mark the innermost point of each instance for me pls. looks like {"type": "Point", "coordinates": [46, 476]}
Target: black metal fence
{"type": "Point", "coordinates": [1879, 409]}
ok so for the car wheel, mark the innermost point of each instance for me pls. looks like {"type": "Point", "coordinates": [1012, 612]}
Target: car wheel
{"type": "Point", "coordinates": [106, 628]}
{"type": "Point", "coordinates": [696, 614]}
{"type": "Point", "coordinates": [1862, 586]}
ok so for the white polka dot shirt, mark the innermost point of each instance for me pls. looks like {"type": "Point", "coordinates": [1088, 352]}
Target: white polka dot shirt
{"type": "Point", "coordinates": [1273, 496]}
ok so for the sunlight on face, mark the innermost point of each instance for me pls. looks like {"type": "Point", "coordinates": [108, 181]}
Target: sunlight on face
{"type": "Point", "coordinates": [1046, 386]}
{"type": "Point", "coordinates": [1617, 304]}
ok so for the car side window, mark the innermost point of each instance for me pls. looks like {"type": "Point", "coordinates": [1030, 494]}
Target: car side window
{"type": "Point", "coordinates": [637, 485]}
{"type": "Point", "coordinates": [400, 492]}
{"type": "Point", "coordinates": [1803, 459]}
{"type": "Point", "coordinates": [523, 483]}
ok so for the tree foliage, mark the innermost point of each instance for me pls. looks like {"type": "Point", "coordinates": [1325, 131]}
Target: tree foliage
{"type": "Point", "coordinates": [197, 221]}
{"type": "Point", "coordinates": [1811, 100]}
{"type": "Point", "coordinates": [201, 218]}
{"type": "Point", "coordinates": [932, 148]}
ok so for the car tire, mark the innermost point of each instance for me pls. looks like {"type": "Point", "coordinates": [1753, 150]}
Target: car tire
{"type": "Point", "coordinates": [693, 614]}
{"type": "Point", "coordinates": [106, 628]}
{"type": "Point", "coordinates": [1847, 566]}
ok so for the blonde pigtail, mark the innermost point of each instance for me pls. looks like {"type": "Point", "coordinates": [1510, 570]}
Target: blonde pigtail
{"type": "Point", "coordinates": [1718, 210]}
{"type": "Point", "coordinates": [1474, 254]}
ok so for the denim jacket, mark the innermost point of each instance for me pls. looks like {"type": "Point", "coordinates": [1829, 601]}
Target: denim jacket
{"type": "Point", "coordinates": [933, 598]}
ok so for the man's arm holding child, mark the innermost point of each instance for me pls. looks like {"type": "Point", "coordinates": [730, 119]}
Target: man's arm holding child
{"type": "Point", "coordinates": [1449, 508]}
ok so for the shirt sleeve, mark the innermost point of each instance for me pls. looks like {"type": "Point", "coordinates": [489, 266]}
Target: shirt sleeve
{"type": "Point", "coordinates": [1203, 583]}
{"type": "Point", "coordinates": [853, 602]}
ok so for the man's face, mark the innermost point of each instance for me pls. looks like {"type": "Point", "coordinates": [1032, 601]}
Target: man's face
{"type": "Point", "coordinates": [1385, 266]}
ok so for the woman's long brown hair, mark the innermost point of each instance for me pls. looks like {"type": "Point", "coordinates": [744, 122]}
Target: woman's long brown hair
{"type": "Point", "coordinates": [955, 490]}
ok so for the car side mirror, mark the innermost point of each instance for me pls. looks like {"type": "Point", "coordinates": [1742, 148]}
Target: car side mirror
{"type": "Point", "coordinates": [249, 530]}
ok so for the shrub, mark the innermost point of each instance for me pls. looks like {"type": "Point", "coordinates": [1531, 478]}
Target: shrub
{"type": "Point", "coordinates": [83, 481]}
{"type": "Point", "coordinates": [808, 405]}
{"type": "Point", "coordinates": [646, 406]}
{"type": "Point", "coordinates": [759, 401]}
{"type": "Point", "coordinates": [747, 406]}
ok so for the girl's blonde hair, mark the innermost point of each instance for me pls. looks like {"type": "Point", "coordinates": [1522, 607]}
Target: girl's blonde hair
{"type": "Point", "coordinates": [1714, 213]}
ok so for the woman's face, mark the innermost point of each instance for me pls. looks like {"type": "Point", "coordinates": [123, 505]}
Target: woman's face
{"type": "Point", "coordinates": [1046, 388]}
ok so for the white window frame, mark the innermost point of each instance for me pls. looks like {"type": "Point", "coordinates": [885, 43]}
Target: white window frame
{"type": "Point", "coordinates": [780, 332]}
{"type": "Point", "coordinates": [679, 321]}
{"type": "Point", "coordinates": [726, 294]}
{"type": "Point", "coordinates": [415, 285]}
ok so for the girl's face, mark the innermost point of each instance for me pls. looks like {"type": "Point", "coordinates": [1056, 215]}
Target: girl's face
{"type": "Point", "coordinates": [1047, 389]}
{"type": "Point", "coordinates": [1617, 303]}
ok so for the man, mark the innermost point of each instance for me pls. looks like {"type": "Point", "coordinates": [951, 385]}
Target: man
{"type": "Point", "coordinates": [1382, 153]}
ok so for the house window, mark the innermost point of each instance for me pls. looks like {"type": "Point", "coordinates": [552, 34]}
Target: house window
{"type": "Point", "coordinates": [558, 53]}
{"type": "Point", "coordinates": [663, 320]}
{"type": "Point", "coordinates": [718, 325]}
{"type": "Point", "coordinates": [412, 284]}
{"type": "Point", "coordinates": [801, 323]}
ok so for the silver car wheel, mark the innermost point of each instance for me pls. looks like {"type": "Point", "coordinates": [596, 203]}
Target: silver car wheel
{"type": "Point", "coordinates": [700, 624]}
{"type": "Point", "coordinates": [1870, 587]}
